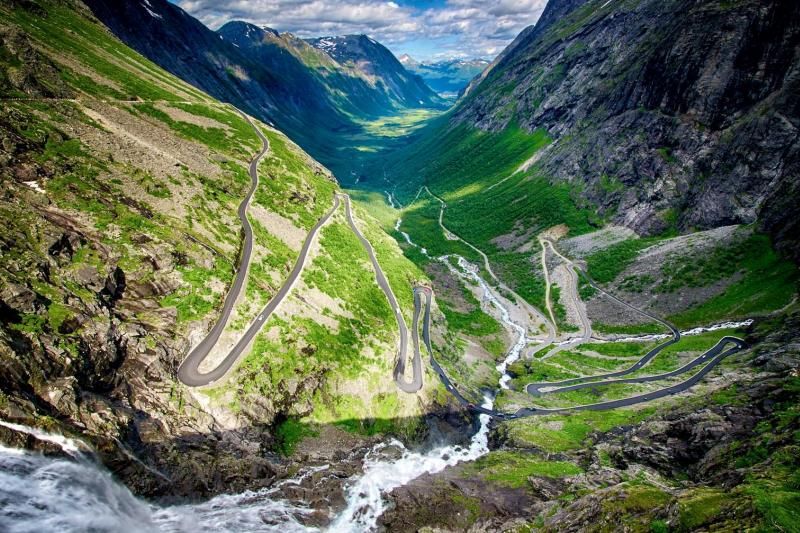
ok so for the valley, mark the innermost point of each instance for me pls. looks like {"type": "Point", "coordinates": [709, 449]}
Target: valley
{"type": "Point", "coordinates": [267, 282]}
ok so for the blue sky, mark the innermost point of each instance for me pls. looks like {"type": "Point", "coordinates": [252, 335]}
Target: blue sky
{"type": "Point", "coordinates": [424, 29]}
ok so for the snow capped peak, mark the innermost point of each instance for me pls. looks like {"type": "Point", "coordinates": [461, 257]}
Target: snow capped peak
{"type": "Point", "coordinates": [327, 44]}
{"type": "Point", "coordinates": [271, 30]}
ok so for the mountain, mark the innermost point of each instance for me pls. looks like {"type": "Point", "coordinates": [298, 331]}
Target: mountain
{"type": "Point", "coordinates": [182, 45]}
{"type": "Point", "coordinates": [120, 189]}
{"type": "Point", "coordinates": [622, 166]}
{"type": "Point", "coordinates": [278, 78]}
{"type": "Point", "coordinates": [448, 76]}
{"type": "Point", "coordinates": [522, 37]}
{"type": "Point", "coordinates": [364, 91]}
{"type": "Point", "coordinates": [608, 303]}
{"type": "Point", "coordinates": [374, 60]}
{"type": "Point", "coordinates": [693, 142]}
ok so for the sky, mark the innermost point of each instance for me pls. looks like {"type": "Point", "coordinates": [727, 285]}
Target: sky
{"type": "Point", "coordinates": [425, 29]}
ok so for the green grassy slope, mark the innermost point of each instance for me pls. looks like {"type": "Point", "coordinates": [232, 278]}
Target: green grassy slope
{"type": "Point", "coordinates": [488, 196]}
{"type": "Point", "coordinates": [120, 190]}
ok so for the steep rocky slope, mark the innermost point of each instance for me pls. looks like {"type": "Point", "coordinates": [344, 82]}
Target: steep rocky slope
{"type": "Point", "coordinates": [362, 88]}
{"type": "Point", "coordinates": [665, 115]}
{"type": "Point", "coordinates": [619, 130]}
{"type": "Point", "coordinates": [721, 461]}
{"type": "Point", "coordinates": [374, 60]}
{"type": "Point", "coordinates": [120, 185]}
{"type": "Point", "coordinates": [182, 45]}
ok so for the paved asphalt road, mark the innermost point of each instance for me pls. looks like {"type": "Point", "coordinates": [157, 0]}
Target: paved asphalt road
{"type": "Point", "coordinates": [419, 292]}
{"type": "Point", "coordinates": [712, 358]}
{"type": "Point", "coordinates": [704, 358]}
{"type": "Point", "coordinates": [400, 368]}
{"type": "Point", "coordinates": [535, 388]}
{"type": "Point", "coordinates": [739, 345]}
{"type": "Point", "coordinates": [189, 372]}
{"type": "Point", "coordinates": [190, 375]}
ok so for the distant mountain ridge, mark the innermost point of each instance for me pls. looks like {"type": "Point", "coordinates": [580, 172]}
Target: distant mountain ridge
{"type": "Point", "coordinates": [445, 76]}
{"type": "Point", "coordinates": [299, 87]}
{"type": "Point", "coordinates": [359, 89]}
{"type": "Point", "coordinates": [372, 59]}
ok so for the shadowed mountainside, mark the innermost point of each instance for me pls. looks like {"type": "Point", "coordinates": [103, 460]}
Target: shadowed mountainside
{"type": "Point", "coordinates": [278, 78]}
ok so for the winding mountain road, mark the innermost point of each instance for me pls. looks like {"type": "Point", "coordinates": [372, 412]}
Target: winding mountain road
{"type": "Point", "coordinates": [549, 325]}
{"type": "Point", "coordinates": [190, 374]}
{"type": "Point", "coordinates": [400, 368]}
{"type": "Point", "coordinates": [572, 293]}
{"type": "Point", "coordinates": [189, 371]}
{"type": "Point", "coordinates": [711, 359]}
{"type": "Point", "coordinates": [536, 388]}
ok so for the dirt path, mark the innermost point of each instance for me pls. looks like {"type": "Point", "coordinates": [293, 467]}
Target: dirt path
{"type": "Point", "coordinates": [572, 293]}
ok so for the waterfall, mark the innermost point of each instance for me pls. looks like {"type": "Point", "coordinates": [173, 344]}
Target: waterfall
{"type": "Point", "coordinates": [40, 493]}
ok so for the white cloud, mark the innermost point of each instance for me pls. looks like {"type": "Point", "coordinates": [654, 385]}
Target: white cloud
{"type": "Point", "coordinates": [459, 28]}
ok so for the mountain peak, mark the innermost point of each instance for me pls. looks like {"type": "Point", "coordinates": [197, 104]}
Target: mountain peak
{"type": "Point", "coordinates": [407, 60]}
{"type": "Point", "coordinates": [239, 30]}
{"type": "Point", "coordinates": [271, 30]}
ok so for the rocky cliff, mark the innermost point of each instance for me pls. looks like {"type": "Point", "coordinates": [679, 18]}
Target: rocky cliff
{"type": "Point", "coordinates": [689, 107]}
{"type": "Point", "coordinates": [726, 461]}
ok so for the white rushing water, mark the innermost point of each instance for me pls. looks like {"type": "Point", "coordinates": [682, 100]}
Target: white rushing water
{"type": "Point", "coordinates": [248, 511]}
{"type": "Point", "coordinates": [407, 237]}
{"type": "Point", "coordinates": [469, 271]}
{"type": "Point", "coordinates": [40, 493]}
{"type": "Point", "coordinates": [365, 496]}
{"type": "Point", "coordinates": [688, 332]}
{"type": "Point", "coordinates": [390, 197]}
{"type": "Point", "coordinates": [69, 446]}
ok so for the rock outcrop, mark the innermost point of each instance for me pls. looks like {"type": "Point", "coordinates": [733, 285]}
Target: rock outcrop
{"type": "Point", "coordinates": [691, 106]}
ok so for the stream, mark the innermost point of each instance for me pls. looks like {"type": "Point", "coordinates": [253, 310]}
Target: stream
{"type": "Point", "coordinates": [41, 493]}
{"type": "Point", "coordinates": [685, 333]}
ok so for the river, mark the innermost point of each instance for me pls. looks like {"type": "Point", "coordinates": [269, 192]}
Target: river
{"type": "Point", "coordinates": [40, 493]}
